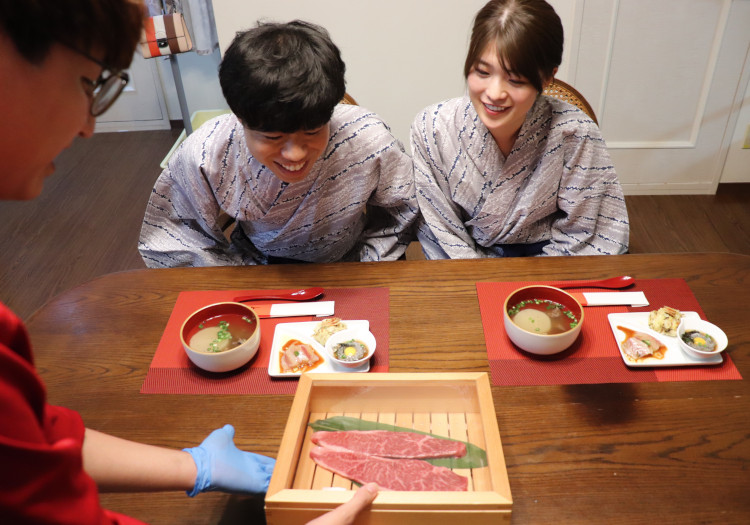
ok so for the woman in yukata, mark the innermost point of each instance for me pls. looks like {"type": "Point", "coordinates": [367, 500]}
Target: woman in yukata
{"type": "Point", "coordinates": [506, 171]}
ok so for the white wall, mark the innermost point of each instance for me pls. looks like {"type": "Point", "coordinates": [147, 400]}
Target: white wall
{"type": "Point", "coordinates": [388, 46]}
{"type": "Point", "coordinates": [393, 65]}
{"type": "Point", "coordinates": [200, 79]}
{"type": "Point", "coordinates": [737, 166]}
{"type": "Point", "coordinates": [403, 55]}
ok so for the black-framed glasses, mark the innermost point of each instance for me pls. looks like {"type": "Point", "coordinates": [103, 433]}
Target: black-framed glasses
{"type": "Point", "coordinates": [105, 89]}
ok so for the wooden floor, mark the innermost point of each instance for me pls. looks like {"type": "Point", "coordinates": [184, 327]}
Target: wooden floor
{"type": "Point", "coordinates": [87, 221]}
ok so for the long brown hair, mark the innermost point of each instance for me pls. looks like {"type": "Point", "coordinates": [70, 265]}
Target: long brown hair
{"type": "Point", "coordinates": [527, 34]}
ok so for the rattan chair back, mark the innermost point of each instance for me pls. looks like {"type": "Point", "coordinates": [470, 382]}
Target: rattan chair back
{"type": "Point", "coordinates": [569, 94]}
{"type": "Point", "coordinates": [348, 99]}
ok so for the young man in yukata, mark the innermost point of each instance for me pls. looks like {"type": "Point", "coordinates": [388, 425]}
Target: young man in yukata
{"type": "Point", "coordinates": [304, 178]}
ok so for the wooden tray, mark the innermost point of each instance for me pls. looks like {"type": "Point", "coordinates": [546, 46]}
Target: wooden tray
{"type": "Point", "coordinates": [457, 405]}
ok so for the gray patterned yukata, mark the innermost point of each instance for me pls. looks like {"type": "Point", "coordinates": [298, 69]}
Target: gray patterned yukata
{"type": "Point", "coordinates": [556, 193]}
{"type": "Point", "coordinates": [319, 219]}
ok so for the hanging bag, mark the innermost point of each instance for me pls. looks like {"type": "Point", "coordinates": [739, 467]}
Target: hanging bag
{"type": "Point", "coordinates": [165, 35]}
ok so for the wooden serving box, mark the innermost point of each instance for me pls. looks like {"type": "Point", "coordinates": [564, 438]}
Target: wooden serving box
{"type": "Point", "coordinates": [455, 405]}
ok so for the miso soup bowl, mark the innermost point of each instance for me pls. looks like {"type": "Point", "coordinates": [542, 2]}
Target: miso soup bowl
{"type": "Point", "coordinates": [536, 343]}
{"type": "Point", "coordinates": [364, 336]}
{"type": "Point", "coordinates": [228, 359]}
{"type": "Point", "coordinates": [711, 329]}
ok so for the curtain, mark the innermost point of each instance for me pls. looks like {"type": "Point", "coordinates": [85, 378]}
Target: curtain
{"type": "Point", "coordinates": [200, 18]}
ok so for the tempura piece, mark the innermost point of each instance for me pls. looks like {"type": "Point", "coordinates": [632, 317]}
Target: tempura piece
{"type": "Point", "coordinates": [326, 328]}
{"type": "Point", "coordinates": [665, 320]}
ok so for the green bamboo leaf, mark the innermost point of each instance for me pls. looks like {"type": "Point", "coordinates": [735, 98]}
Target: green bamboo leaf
{"type": "Point", "coordinates": [475, 457]}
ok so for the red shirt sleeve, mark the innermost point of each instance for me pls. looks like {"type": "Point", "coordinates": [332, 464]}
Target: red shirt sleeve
{"type": "Point", "coordinates": [43, 480]}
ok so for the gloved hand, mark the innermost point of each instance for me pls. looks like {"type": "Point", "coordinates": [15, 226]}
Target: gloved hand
{"type": "Point", "coordinates": [222, 466]}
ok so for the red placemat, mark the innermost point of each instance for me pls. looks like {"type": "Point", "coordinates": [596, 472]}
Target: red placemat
{"type": "Point", "coordinates": [171, 372]}
{"type": "Point", "coordinates": [594, 357]}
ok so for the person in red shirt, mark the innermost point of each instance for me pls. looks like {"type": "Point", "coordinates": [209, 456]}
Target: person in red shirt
{"type": "Point", "coordinates": [61, 65]}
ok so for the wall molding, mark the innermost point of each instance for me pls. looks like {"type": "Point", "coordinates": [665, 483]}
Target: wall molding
{"type": "Point", "coordinates": [677, 188]}
{"type": "Point", "coordinates": [654, 144]}
{"type": "Point", "coordinates": [707, 78]}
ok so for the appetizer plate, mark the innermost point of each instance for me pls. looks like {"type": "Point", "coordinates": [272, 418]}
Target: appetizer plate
{"type": "Point", "coordinates": [304, 332]}
{"type": "Point", "coordinates": [674, 356]}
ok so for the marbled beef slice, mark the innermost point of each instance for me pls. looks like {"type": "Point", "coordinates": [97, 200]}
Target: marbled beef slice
{"type": "Point", "coordinates": [390, 444]}
{"type": "Point", "coordinates": [389, 474]}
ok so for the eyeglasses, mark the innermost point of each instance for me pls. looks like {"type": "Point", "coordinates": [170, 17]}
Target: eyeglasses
{"type": "Point", "coordinates": [105, 89]}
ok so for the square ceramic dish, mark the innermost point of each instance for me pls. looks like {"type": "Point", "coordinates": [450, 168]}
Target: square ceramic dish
{"type": "Point", "coordinates": [456, 405]}
{"type": "Point", "coordinates": [303, 332]}
{"type": "Point", "coordinates": [674, 356]}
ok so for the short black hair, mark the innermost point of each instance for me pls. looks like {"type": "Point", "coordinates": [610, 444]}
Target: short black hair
{"type": "Point", "coordinates": [283, 77]}
{"type": "Point", "coordinates": [110, 27]}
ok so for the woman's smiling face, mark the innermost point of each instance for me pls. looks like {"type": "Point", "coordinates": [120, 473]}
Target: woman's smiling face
{"type": "Point", "coordinates": [290, 156]}
{"type": "Point", "coordinates": [500, 98]}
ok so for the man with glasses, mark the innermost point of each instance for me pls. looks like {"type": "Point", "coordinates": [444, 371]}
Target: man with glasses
{"type": "Point", "coordinates": [60, 66]}
{"type": "Point", "coordinates": [40, 113]}
{"type": "Point", "coordinates": [106, 89]}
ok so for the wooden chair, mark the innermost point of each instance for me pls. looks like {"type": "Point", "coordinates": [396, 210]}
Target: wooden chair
{"type": "Point", "coordinates": [348, 99]}
{"type": "Point", "coordinates": [569, 94]}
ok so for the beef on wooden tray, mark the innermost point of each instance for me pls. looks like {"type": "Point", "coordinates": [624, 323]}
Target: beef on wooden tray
{"type": "Point", "coordinates": [389, 444]}
{"type": "Point", "coordinates": [389, 474]}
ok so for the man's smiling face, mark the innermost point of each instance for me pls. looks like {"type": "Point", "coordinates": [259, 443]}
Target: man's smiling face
{"type": "Point", "coordinates": [290, 156]}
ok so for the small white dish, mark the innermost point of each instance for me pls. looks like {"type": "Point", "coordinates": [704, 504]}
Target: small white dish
{"type": "Point", "coordinates": [357, 334]}
{"type": "Point", "coordinates": [674, 356]}
{"type": "Point", "coordinates": [718, 335]}
{"type": "Point", "coordinates": [303, 332]}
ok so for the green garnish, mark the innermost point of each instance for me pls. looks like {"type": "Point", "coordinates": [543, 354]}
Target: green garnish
{"type": "Point", "coordinates": [551, 305]}
{"type": "Point", "coordinates": [222, 335]}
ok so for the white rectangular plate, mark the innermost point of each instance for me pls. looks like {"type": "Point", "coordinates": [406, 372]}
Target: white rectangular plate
{"type": "Point", "coordinates": [304, 332]}
{"type": "Point", "coordinates": [674, 356]}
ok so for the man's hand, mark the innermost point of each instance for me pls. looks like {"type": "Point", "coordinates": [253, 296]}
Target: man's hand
{"type": "Point", "coordinates": [345, 514]}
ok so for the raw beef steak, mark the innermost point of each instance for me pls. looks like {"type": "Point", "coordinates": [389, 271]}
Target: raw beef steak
{"type": "Point", "coordinates": [390, 474]}
{"type": "Point", "coordinates": [390, 444]}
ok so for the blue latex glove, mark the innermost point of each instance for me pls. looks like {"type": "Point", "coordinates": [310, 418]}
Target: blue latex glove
{"type": "Point", "coordinates": [222, 466]}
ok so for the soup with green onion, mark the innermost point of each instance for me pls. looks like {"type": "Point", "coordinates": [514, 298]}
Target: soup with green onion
{"type": "Point", "coordinates": [221, 333]}
{"type": "Point", "coordinates": [542, 316]}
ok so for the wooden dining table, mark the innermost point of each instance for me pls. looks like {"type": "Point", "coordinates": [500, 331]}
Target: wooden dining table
{"type": "Point", "coordinates": [641, 452]}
